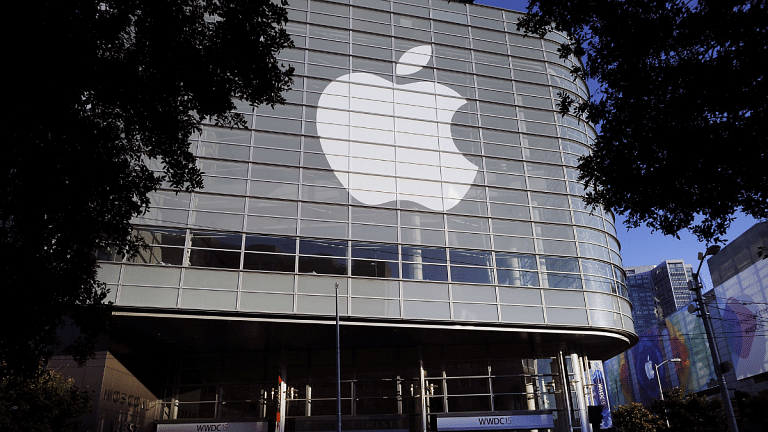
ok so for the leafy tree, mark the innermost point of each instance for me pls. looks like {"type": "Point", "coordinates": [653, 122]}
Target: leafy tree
{"type": "Point", "coordinates": [633, 417]}
{"type": "Point", "coordinates": [681, 104]}
{"type": "Point", "coordinates": [49, 403]}
{"type": "Point", "coordinates": [690, 412]}
{"type": "Point", "coordinates": [94, 91]}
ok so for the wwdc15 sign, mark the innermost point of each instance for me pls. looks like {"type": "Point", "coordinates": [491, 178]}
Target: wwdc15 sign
{"type": "Point", "coordinates": [497, 422]}
{"type": "Point", "coordinates": [414, 119]}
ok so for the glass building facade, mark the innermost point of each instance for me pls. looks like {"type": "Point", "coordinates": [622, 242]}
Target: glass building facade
{"type": "Point", "coordinates": [418, 165]}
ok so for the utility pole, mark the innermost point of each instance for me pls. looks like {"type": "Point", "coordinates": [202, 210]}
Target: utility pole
{"type": "Point", "coordinates": [338, 366]}
{"type": "Point", "coordinates": [707, 319]}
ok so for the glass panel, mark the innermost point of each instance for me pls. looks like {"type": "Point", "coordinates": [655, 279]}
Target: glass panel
{"type": "Point", "coordinates": [210, 279]}
{"type": "Point", "coordinates": [150, 297]}
{"type": "Point", "coordinates": [268, 225]}
{"type": "Point", "coordinates": [473, 293]}
{"type": "Point", "coordinates": [320, 305]}
{"type": "Point", "coordinates": [321, 285]}
{"type": "Point", "coordinates": [141, 275]}
{"type": "Point", "coordinates": [520, 296]}
{"type": "Point", "coordinates": [324, 212]}
{"type": "Point", "coordinates": [558, 280]}
{"type": "Point", "coordinates": [375, 307]}
{"type": "Point", "coordinates": [374, 288]}
{"type": "Point", "coordinates": [268, 172]}
{"type": "Point", "coordinates": [426, 310]}
{"type": "Point", "coordinates": [212, 220]}
{"type": "Point", "coordinates": [505, 260]}
{"type": "Point", "coordinates": [559, 264]}
{"type": "Point", "coordinates": [554, 231]}
{"type": "Point", "coordinates": [276, 140]}
{"type": "Point", "coordinates": [158, 255]}
{"type": "Point", "coordinates": [374, 232]}
{"type": "Point", "coordinates": [269, 262]}
{"type": "Point", "coordinates": [551, 215]}
{"type": "Point", "coordinates": [426, 255]}
{"type": "Point", "coordinates": [471, 240]}
{"type": "Point", "coordinates": [560, 298]}
{"type": "Point", "coordinates": [423, 236]}
{"type": "Point", "coordinates": [375, 251]}
{"type": "Point", "coordinates": [471, 275]}
{"type": "Point", "coordinates": [372, 215]}
{"type": "Point", "coordinates": [471, 258]}
{"type": "Point", "coordinates": [218, 203]}
{"type": "Point", "coordinates": [215, 240]}
{"type": "Point", "coordinates": [518, 278]}
{"type": "Point", "coordinates": [510, 211]}
{"type": "Point", "coordinates": [474, 312]}
{"type": "Point", "coordinates": [265, 302]}
{"type": "Point", "coordinates": [425, 272]}
{"type": "Point", "coordinates": [511, 227]}
{"type": "Point", "coordinates": [274, 190]}
{"type": "Point", "coordinates": [230, 169]}
{"type": "Point", "coordinates": [379, 269]}
{"type": "Point", "coordinates": [224, 185]}
{"type": "Point", "coordinates": [566, 316]}
{"type": "Point", "coordinates": [513, 244]}
{"type": "Point", "coordinates": [322, 265]}
{"type": "Point", "coordinates": [425, 220]}
{"type": "Point", "coordinates": [323, 247]}
{"type": "Point", "coordinates": [425, 291]}
{"type": "Point", "coordinates": [267, 282]}
{"type": "Point", "coordinates": [459, 223]}
{"type": "Point", "coordinates": [522, 314]}
{"type": "Point", "coordinates": [214, 258]}
{"type": "Point", "coordinates": [206, 299]}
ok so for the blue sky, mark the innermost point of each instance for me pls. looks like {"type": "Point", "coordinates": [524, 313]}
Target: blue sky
{"type": "Point", "coordinates": [639, 246]}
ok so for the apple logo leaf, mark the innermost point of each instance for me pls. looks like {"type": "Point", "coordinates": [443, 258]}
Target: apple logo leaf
{"type": "Point", "coordinates": [413, 60]}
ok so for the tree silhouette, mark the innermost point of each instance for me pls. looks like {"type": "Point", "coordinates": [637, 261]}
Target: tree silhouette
{"type": "Point", "coordinates": [680, 104]}
{"type": "Point", "coordinates": [95, 91]}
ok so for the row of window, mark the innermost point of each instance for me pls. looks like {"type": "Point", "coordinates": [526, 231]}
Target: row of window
{"type": "Point", "coordinates": [486, 66]}
{"type": "Point", "coordinates": [278, 217]}
{"type": "Point", "coordinates": [450, 71]}
{"type": "Point", "coordinates": [223, 250]}
{"type": "Point", "coordinates": [376, 216]}
{"type": "Point", "coordinates": [450, 19]}
{"type": "Point", "coordinates": [282, 288]}
{"type": "Point", "coordinates": [533, 149]}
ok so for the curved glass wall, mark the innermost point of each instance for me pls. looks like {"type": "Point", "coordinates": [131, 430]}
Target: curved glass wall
{"type": "Point", "coordinates": [418, 162]}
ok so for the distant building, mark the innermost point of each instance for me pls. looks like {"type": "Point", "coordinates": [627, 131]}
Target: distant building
{"type": "Point", "coordinates": [640, 287]}
{"type": "Point", "coordinates": [658, 291]}
{"type": "Point", "coordinates": [738, 305]}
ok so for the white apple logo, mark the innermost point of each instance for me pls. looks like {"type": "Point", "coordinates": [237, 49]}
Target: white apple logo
{"type": "Point", "coordinates": [649, 368]}
{"type": "Point", "coordinates": [400, 131]}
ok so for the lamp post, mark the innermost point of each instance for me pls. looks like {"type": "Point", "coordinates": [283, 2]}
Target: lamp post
{"type": "Point", "coordinates": [338, 366]}
{"type": "Point", "coordinates": [707, 319]}
{"type": "Point", "coordinates": [658, 379]}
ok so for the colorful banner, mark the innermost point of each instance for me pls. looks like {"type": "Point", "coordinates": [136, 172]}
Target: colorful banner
{"type": "Point", "coordinates": [600, 392]}
{"type": "Point", "coordinates": [646, 355]}
{"type": "Point", "coordinates": [688, 342]}
{"type": "Point", "coordinates": [743, 307]}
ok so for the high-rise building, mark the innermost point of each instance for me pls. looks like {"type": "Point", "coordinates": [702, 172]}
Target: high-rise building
{"type": "Point", "coordinates": [642, 296]}
{"type": "Point", "coordinates": [420, 179]}
{"type": "Point", "coordinates": [656, 292]}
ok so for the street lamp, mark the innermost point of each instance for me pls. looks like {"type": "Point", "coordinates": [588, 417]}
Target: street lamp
{"type": "Point", "coordinates": [658, 379]}
{"type": "Point", "coordinates": [707, 319]}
